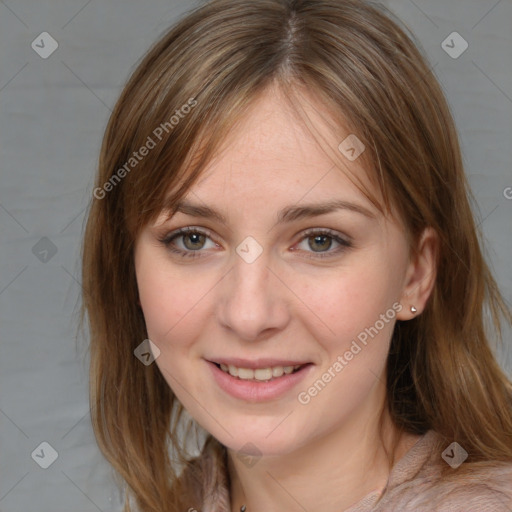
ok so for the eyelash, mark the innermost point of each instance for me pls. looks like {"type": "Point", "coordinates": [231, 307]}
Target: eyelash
{"type": "Point", "coordinates": [168, 239]}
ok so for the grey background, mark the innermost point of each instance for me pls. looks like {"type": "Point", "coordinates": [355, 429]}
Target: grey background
{"type": "Point", "coordinates": [53, 113]}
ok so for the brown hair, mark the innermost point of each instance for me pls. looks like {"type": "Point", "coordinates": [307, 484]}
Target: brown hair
{"type": "Point", "coordinates": [362, 66]}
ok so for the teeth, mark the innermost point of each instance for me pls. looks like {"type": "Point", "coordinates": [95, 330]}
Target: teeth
{"type": "Point", "coordinates": [277, 371]}
{"type": "Point", "coordinates": [261, 374]}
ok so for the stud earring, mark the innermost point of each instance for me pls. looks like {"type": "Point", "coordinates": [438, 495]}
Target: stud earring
{"type": "Point", "coordinates": [413, 309]}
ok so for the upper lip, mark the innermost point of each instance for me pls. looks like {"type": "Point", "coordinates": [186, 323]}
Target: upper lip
{"type": "Point", "coordinates": [256, 363]}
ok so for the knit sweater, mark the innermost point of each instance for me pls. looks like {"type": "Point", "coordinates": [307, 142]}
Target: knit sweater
{"type": "Point", "coordinates": [414, 484]}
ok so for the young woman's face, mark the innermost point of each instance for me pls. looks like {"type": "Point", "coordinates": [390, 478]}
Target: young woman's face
{"type": "Point", "coordinates": [284, 263]}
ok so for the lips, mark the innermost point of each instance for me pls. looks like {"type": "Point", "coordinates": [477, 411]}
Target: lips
{"type": "Point", "coordinates": [258, 389]}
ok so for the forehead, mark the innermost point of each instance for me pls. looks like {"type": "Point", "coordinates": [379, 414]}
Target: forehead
{"type": "Point", "coordinates": [281, 153]}
{"type": "Point", "coordinates": [273, 150]}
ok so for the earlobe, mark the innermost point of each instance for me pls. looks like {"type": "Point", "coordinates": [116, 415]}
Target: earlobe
{"type": "Point", "coordinates": [420, 276]}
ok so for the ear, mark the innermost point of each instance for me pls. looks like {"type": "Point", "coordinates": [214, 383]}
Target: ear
{"type": "Point", "coordinates": [420, 275]}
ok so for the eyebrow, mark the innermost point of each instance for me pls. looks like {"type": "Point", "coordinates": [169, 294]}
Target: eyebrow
{"type": "Point", "coordinates": [288, 214]}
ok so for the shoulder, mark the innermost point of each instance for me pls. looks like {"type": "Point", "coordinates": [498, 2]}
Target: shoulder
{"type": "Point", "coordinates": [485, 489]}
{"type": "Point", "coordinates": [423, 484]}
{"type": "Point", "coordinates": [482, 491]}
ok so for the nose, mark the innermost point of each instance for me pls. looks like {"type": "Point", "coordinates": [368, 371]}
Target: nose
{"type": "Point", "coordinates": [251, 300]}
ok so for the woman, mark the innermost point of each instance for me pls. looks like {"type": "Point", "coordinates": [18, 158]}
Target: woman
{"type": "Point", "coordinates": [281, 208]}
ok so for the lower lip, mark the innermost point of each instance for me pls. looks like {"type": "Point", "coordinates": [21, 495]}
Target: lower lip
{"type": "Point", "coordinates": [258, 391]}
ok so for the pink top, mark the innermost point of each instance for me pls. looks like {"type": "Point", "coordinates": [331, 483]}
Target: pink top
{"type": "Point", "coordinates": [414, 484]}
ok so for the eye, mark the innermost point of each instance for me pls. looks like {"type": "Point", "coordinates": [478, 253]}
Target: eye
{"type": "Point", "coordinates": [319, 243]}
{"type": "Point", "coordinates": [188, 242]}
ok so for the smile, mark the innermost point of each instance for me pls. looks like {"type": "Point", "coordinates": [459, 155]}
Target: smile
{"type": "Point", "coordinates": [266, 380]}
{"type": "Point", "coordinates": [260, 374]}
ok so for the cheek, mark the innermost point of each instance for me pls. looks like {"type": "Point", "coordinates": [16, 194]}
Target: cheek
{"type": "Point", "coordinates": [171, 304]}
{"type": "Point", "coordinates": [358, 316]}
{"type": "Point", "coordinates": [351, 300]}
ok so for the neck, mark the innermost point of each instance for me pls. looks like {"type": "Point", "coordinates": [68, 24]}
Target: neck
{"type": "Point", "coordinates": [342, 467]}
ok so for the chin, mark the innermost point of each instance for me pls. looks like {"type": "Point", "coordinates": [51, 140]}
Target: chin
{"type": "Point", "coordinates": [268, 441]}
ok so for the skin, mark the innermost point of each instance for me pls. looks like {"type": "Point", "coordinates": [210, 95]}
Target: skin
{"type": "Point", "coordinates": [288, 303]}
